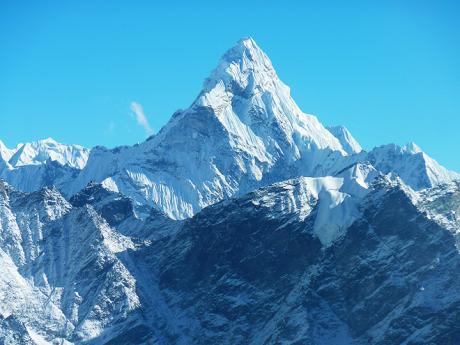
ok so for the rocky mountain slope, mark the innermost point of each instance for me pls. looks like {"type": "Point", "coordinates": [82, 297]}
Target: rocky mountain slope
{"type": "Point", "coordinates": [236, 265]}
{"type": "Point", "coordinates": [308, 261]}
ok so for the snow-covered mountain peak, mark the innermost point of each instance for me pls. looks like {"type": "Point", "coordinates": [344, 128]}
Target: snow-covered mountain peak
{"type": "Point", "coordinates": [41, 151]}
{"type": "Point", "coordinates": [244, 66]}
{"type": "Point", "coordinates": [412, 148]}
{"type": "Point", "coordinates": [411, 164]}
{"type": "Point", "coordinates": [6, 153]}
{"type": "Point", "coordinates": [244, 131]}
{"type": "Point", "coordinates": [247, 97]}
{"type": "Point", "coordinates": [349, 143]}
{"type": "Point", "coordinates": [49, 141]}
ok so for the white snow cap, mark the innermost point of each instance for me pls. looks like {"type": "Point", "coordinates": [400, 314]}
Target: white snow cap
{"type": "Point", "coordinates": [349, 143]}
{"type": "Point", "coordinates": [38, 152]}
{"type": "Point", "coordinates": [245, 64]}
{"type": "Point", "coordinates": [412, 148]}
{"type": "Point", "coordinates": [411, 164]}
{"type": "Point", "coordinates": [244, 90]}
{"type": "Point", "coordinates": [6, 153]}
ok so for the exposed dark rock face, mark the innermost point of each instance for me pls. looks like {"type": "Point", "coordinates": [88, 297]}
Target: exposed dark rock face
{"type": "Point", "coordinates": [248, 279]}
{"type": "Point", "coordinates": [239, 272]}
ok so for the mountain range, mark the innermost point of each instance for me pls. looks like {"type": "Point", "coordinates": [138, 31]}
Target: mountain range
{"type": "Point", "coordinates": [242, 221]}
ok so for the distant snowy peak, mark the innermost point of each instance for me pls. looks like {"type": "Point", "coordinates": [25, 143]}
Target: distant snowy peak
{"type": "Point", "coordinates": [38, 152]}
{"type": "Point", "coordinates": [349, 143]}
{"type": "Point", "coordinates": [411, 164]}
{"type": "Point", "coordinates": [6, 153]}
{"type": "Point", "coordinates": [411, 148]}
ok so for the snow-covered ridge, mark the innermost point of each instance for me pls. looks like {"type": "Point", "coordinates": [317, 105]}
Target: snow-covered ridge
{"type": "Point", "coordinates": [6, 153]}
{"type": "Point", "coordinates": [349, 143]}
{"type": "Point", "coordinates": [41, 151]}
{"type": "Point", "coordinates": [411, 164]}
{"type": "Point", "coordinates": [336, 200]}
{"type": "Point", "coordinates": [336, 209]}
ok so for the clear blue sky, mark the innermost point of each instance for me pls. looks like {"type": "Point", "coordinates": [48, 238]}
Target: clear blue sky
{"type": "Point", "coordinates": [388, 70]}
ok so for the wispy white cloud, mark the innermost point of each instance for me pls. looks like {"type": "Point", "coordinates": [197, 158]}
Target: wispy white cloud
{"type": "Point", "coordinates": [110, 128]}
{"type": "Point", "coordinates": [141, 119]}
